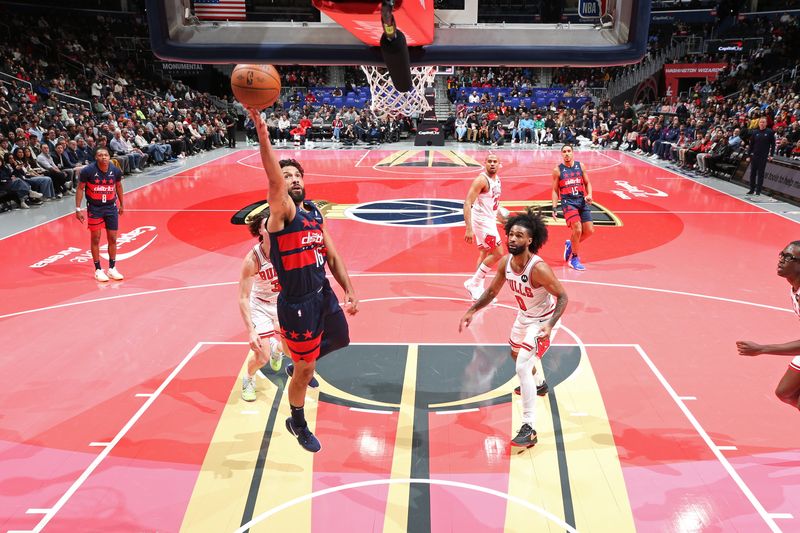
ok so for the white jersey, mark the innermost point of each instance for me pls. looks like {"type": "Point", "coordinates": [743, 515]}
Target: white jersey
{"type": "Point", "coordinates": [484, 209]}
{"type": "Point", "coordinates": [533, 303]}
{"type": "Point", "coordinates": [265, 285]}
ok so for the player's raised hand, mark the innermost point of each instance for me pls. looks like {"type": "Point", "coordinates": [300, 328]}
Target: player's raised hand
{"type": "Point", "coordinates": [350, 303]}
{"type": "Point", "coordinates": [749, 348]}
{"type": "Point", "coordinates": [261, 126]}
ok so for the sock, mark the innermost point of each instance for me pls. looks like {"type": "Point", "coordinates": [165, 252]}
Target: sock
{"type": "Point", "coordinates": [97, 265]}
{"type": "Point", "coordinates": [538, 377]}
{"type": "Point", "coordinates": [525, 364]}
{"type": "Point", "coordinates": [112, 263]}
{"type": "Point", "coordinates": [275, 348]}
{"type": "Point", "coordinates": [298, 416]}
{"type": "Point", "coordinates": [480, 274]}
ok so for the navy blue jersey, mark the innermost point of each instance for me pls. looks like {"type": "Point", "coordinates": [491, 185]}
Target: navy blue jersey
{"type": "Point", "coordinates": [298, 253]}
{"type": "Point", "coordinates": [570, 183]}
{"type": "Point", "coordinates": [101, 187]}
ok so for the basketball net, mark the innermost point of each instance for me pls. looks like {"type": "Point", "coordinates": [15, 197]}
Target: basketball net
{"type": "Point", "coordinates": [388, 101]}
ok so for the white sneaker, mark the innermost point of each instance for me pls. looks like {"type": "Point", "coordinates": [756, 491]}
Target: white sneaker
{"type": "Point", "coordinates": [99, 275]}
{"type": "Point", "coordinates": [114, 274]}
{"type": "Point", "coordinates": [475, 290]}
{"type": "Point", "coordinates": [35, 194]}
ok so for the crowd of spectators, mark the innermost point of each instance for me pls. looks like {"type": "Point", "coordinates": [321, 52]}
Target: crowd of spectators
{"type": "Point", "coordinates": [75, 93]}
{"type": "Point", "coordinates": [120, 103]}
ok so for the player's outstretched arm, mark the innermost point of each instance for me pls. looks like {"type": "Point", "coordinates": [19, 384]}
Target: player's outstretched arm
{"type": "Point", "coordinates": [544, 276]}
{"type": "Point", "coordinates": [281, 207]}
{"type": "Point", "coordinates": [249, 269]}
{"type": "Point", "coordinates": [554, 193]}
{"type": "Point", "coordinates": [339, 271]}
{"type": "Point", "coordinates": [488, 295]}
{"type": "Point", "coordinates": [790, 348]}
{"type": "Point", "coordinates": [477, 187]}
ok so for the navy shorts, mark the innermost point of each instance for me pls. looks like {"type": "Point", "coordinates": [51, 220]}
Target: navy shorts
{"type": "Point", "coordinates": [107, 216]}
{"type": "Point", "coordinates": [576, 209]}
{"type": "Point", "coordinates": [313, 325]}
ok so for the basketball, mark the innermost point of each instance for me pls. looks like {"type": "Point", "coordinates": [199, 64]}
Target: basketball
{"type": "Point", "coordinates": [256, 85]}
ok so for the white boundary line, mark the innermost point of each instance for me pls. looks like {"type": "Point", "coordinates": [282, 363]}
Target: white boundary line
{"type": "Point", "coordinates": [768, 519]}
{"type": "Point", "coordinates": [110, 446]}
{"type": "Point", "coordinates": [404, 274]}
{"type": "Point", "coordinates": [376, 482]}
{"type": "Point", "coordinates": [50, 513]}
{"type": "Point", "coordinates": [457, 411]}
{"type": "Point", "coordinates": [372, 411]}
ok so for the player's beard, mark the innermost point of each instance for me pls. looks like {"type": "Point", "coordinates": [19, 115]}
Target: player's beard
{"type": "Point", "coordinates": [516, 250]}
{"type": "Point", "coordinates": [297, 196]}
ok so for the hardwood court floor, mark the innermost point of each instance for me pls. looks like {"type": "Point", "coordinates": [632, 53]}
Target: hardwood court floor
{"type": "Point", "coordinates": [121, 408]}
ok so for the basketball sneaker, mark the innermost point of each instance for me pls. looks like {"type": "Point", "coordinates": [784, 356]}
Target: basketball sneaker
{"type": "Point", "coordinates": [541, 390]}
{"type": "Point", "coordinates": [99, 275]}
{"type": "Point", "coordinates": [567, 249]}
{"type": "Point", "coordinates": [526, 438]}
{"type": "Point", "coordinates": [304, 436]}
{"type": "Point", "coordinates": [248, 389]}
{"type": "Point", "coordinates": [475, 289]}
{"type": "Point", "coordinates": [114, 274]}
{"type": "Point", "coordinates": [276, 362]}
{"type": "Point", "coordinates": [313, 383]}
{"type": "Point", "coordinates": [576, 263]}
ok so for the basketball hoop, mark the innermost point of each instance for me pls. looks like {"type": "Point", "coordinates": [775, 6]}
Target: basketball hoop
{"type": "Point", "coordinates": [388, 101]}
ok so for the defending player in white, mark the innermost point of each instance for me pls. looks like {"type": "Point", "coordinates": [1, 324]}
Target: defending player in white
{"type": "Point", "coordinates": [258, 293]}
{"type": "Point", "coordinates": [541, 299]}
{"type": "Point", "coordinates": [481, 209]}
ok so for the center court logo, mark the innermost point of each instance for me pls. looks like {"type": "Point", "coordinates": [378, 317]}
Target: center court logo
{"type": "Point", "coordinates": [409, 212]}
{"type": "Point", "coordinates": [122, 240]}
{"type": "Point", "coordinates": [422, 212]}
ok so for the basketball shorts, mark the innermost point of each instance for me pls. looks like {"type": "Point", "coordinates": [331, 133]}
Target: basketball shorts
{"type": "Point", "coordinates": [265, 316]}
{"type": "Point", "coordinates": [525, 334]}
{"type": "Point", "coordinates": [795, 364]}
{"type": "Point", "coordinates": [486, 235]}
{"type": "Point", "coordinates": [314, 324]}
{"type": "Point", "coordinates": [576, 210]}
{"type": "Point", "coordinates": [99, 217]}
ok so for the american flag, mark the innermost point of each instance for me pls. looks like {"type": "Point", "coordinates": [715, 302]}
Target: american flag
{"type": "Point", "coordinates": [220, 9]}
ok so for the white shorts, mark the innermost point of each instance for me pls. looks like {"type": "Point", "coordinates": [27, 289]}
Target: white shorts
{"type": "Point", "coordinates": [525, 331]}
{"type": "Point", "coordinates": [265, 317]}
{"type": "Point", "coordinates": [486, 235]}
{"type": "Point", "coordinates": [795, 364]}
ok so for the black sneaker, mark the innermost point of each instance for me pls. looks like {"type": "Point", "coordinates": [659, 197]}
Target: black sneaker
{"type": "Point", "coordinates": [526, 438]}
{"type": "Point", "coordinates": [313, 383]}
{"type": "Point", "coordinates": [541, 390]}
{"type": "Point", "coordinates": [304, 436]}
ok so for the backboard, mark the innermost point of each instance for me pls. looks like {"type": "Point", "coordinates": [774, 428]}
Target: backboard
{"type": "Point", "coordinates": [462, 34]}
